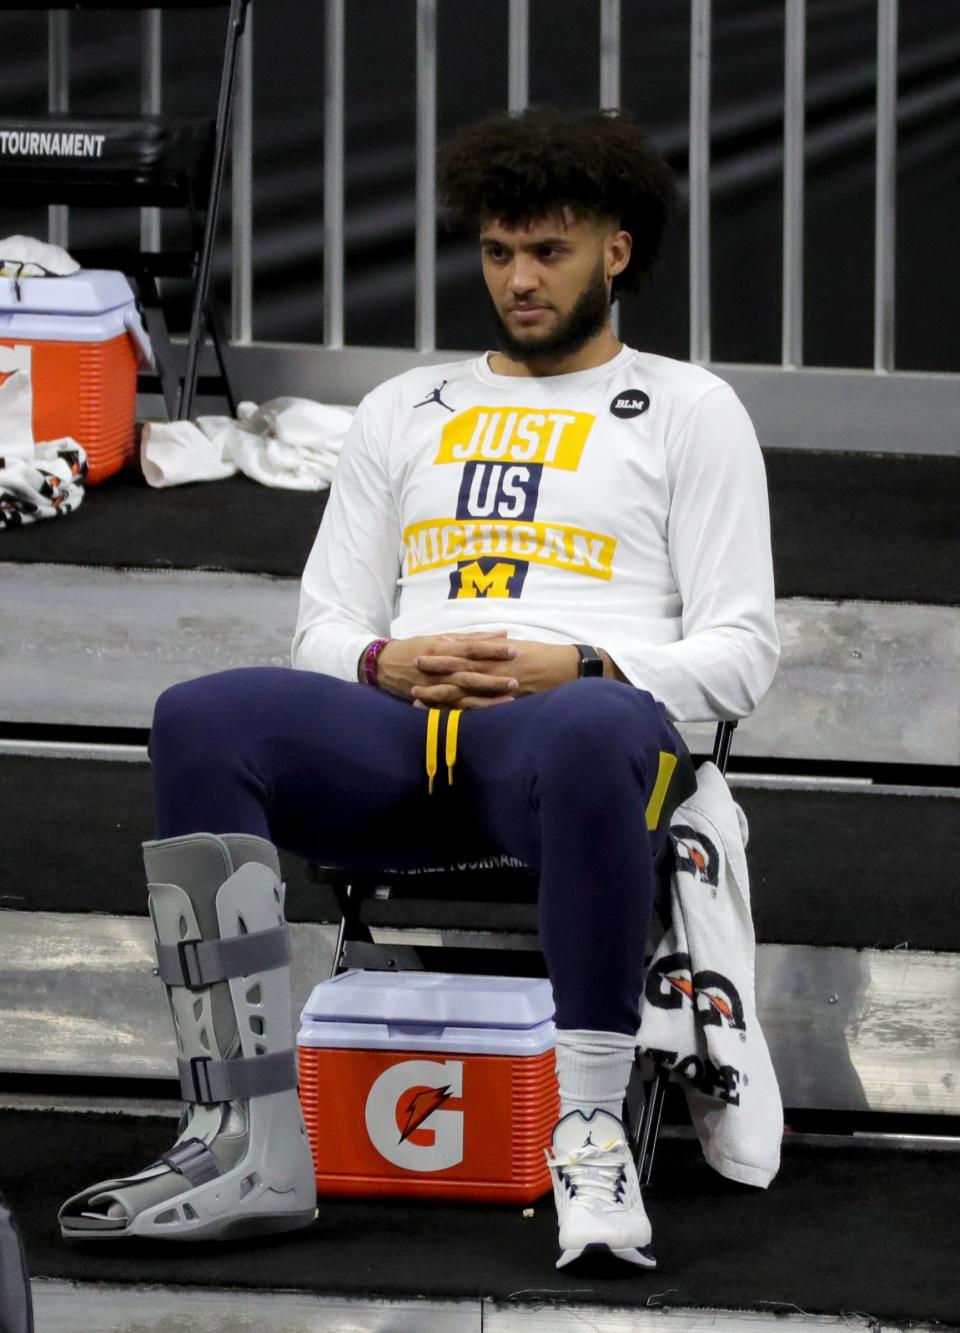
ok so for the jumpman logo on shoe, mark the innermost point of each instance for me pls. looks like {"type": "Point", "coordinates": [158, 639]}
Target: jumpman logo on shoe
{"type": "Point", "coordinates": [434, 397]}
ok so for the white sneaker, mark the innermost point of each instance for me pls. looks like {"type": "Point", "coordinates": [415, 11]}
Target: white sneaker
{"type": "Point", "coordinates": [596, 1190]}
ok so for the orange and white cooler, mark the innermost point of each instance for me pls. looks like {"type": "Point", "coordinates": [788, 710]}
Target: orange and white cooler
{"type": "Point", "coordinates": [74, 344]}
{"type": "Point", "coordinates": [429, 1084]}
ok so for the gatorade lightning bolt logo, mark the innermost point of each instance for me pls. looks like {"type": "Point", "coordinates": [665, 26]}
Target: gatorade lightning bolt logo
{"type": "Point", "coordinates": [5, 375]}
{"type": "Point", "coordinates": [695, 854]}
{"type": "Point", "coordinates": [715, 999]}
{"type": "Point", "coordinates": [422, 1105]}
{"type": "Point", "coordinates": [411, 1095]}
{"type": "Point", "coordinates": [685, 986]}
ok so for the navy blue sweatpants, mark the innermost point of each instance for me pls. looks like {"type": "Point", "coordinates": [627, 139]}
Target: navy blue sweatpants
{"type": "Point", "coordinates": [334, 771]}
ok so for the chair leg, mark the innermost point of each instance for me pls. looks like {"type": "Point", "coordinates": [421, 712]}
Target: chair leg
{"type": "Point", "coordinates": [163, 354]}
{"type": "Point", "coordinates": [351, 928]}
{"type": "Point", "coordinates": [218, 337]}
{"type": "Point", "coordinates": [198, 318]}
{"type": "Point", "coordinates": [648, 1130]}
{"type": "Point", "coordinates": [337, 965]}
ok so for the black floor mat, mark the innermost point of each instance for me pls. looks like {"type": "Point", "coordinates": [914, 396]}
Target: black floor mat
{"type": "Point", "coordinates": [876, 527]}
{"type": "Point", "coordinates": [234, 524]}
{"type": "Point", "coordinates": [852, 1229]}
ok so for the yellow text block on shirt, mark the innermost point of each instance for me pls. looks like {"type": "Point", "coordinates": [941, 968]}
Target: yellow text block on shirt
{"type": "Point", "coordinates": [554, 438]}
{"type": "Point", "coordinates": [446, 541]}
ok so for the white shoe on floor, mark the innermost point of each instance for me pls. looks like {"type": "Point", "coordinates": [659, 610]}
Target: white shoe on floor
{"type": "Point", "coordinates": [597, 1192]}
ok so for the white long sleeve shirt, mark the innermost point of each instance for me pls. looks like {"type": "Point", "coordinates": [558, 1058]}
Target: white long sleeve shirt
{"type": "Point", "coordinates": [623, 506]}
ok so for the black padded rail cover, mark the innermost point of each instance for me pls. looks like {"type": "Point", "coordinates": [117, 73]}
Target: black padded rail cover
{"type": "Point", "coordinates": [855, 869]}
{"type": "Point", "coordinates": [870, 526]}
{"type": "Point", "coordinates": [841, 1229]}
{"type": "Point", "coordinates": [61, 153]}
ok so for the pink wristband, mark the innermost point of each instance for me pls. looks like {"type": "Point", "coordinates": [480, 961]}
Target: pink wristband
{"type": "Point", "coordinates": [370, 660]}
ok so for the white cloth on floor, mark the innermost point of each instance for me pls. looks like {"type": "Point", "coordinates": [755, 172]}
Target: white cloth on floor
{"type": "Point", "coordinates": [698, 1016]}
{"type": "Point", "coordinates": [49, 484]}
{"type": "Point", "coordinates": [292, 443]}
{"type": "Point", "coordinates": [174, 452]}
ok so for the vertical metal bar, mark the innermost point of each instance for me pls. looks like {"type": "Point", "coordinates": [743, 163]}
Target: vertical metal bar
{"type": "Point", "coordinates": [722, 741]}
{"type": "Point", "coordinates": [200, 318]}
{"type": "Point", "coordinates": [518, 79]}
{"type": "Point", "coordinates": [699, 171]}
{"type": "Point", "coordinates": [609, 53]}
{"type": "Point", "coordinates": [241, 202]}
{"type": "Point", "coordinates": [151, 104]}
{"type": "Point", "coordinates": [793, 181]}
{"type": "Point", "coordinates": [426, 239]}
{"type": "Point", "coordinates": [610, 81]}
{"type": "Point", "coordinates": [886, 191]}
{"type": "Point", "coordinates": [333, 97]}
{"type": "Point", "coordinates": [58, 99]}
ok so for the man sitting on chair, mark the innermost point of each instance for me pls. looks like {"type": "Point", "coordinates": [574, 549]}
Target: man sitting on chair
{"type": "Point", "coordinates": [532, 564]}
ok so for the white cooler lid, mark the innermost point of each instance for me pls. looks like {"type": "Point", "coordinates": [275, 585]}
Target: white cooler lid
{"type": "Point", "coordinates": [434, 998]}
{"type": "Point", "coordinates": [90, 291]}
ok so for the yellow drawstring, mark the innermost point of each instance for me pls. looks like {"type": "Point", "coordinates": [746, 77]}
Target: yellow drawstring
{"type": "Point", "coordinates": [433, 733]}
{"type": "Point", "coordinates": [453, 726]}
{"type": "Point", "coordinates": [433, 742]}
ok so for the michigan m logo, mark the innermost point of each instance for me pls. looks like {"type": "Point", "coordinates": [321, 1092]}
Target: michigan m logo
{"type": "Point", "coordinates": [488, 578]}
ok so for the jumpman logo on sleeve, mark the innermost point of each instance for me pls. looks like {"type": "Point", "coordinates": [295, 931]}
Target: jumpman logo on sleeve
{"type": "Point", "coordinates": [434, 397]}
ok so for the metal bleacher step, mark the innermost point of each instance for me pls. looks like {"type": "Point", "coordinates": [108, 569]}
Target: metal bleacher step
{"type": "Point", "coordinates": [77, 998]}
{"type": "Point", "coordinates": [870, 682]}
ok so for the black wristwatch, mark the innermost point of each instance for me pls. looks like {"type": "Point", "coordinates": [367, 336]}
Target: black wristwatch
{"type": "Point", "coordinates": [591, 663]}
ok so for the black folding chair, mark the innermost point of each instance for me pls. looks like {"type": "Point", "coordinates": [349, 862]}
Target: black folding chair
{"type": "Point", "coordinates": [146, 162]}
{"type": "Point", "coordinates": [494, 900]}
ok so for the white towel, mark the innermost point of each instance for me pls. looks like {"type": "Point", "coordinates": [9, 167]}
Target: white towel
{"type": "Point", "coordinates": [292, 443]}
{"type": "Point", "coordinates": [175, 452]}
{"type": "Point", "coordinates": [698, 1016]}
{"type": "Point", "coordinates": [28, 257]}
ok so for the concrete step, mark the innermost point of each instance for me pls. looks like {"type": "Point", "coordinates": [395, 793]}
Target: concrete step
{"type": "Point", "coordinates": [831, 862]}
{"type": "Point", "coordinates": [859, 681]}
{"type": "Point", "coordinates": [129, 1308]}
{"type": "Point", "coordinates": [850, 1030]}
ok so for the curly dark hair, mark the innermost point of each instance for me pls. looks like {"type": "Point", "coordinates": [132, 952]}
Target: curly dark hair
{"type": "Point", "coordinates": [543, 162]}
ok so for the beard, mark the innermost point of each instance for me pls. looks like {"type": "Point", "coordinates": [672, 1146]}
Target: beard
{"type": "Point", "coordinates": [590, 312]}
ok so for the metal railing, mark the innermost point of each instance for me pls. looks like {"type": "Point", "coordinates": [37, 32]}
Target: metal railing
{"type": "Point", "coordinates": [610, 18]}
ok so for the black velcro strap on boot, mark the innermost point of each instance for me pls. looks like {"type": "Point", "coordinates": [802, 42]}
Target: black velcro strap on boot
{"type": "Point", "coordinates": [197, 963]}
{"type": "Point", "coordinates": [193, 1160]}
{"type": "Point", "coordinates": [206, 1080]}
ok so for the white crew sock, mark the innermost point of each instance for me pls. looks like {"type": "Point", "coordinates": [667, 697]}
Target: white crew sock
{"type": "Point", "coordinates": [593, 1069]}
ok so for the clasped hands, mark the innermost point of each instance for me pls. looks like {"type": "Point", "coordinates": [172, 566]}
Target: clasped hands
{"type": "Point", "coordinates": [472, 670]}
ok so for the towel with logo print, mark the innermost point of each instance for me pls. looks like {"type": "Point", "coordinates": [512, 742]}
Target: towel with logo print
{"type": "Point", "coordinates": [622, 506]}
{"type": "Point", "coordinates": [37, 481]}
{"type": "Point", "coordinates": [698, 1015]}
{"type": "Point", "coordinates": [48, 485]}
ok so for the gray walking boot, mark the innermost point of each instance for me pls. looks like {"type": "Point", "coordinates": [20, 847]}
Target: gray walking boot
{"type": "Point", "coordinates": [242, 1164]}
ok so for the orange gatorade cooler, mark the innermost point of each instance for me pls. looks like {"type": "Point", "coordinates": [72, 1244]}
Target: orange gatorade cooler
{"type": "Point", "coordinates": [429, 1084]}
{"type": "Point", "coordinates": [74, 345]}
